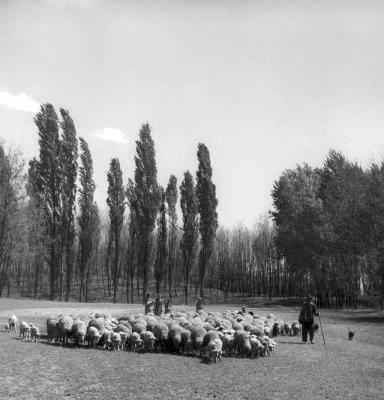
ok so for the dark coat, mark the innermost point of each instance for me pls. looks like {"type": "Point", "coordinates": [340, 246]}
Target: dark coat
{"type": "Point", "coordinates": [308, 311]}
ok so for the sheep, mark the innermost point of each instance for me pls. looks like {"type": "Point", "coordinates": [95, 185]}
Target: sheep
{"type": "Point", "coordinates": [35, 333]}
{"type": "Point", "coordinates": [174, 337]}
{"type": "Point", "coordinates": [93, 336]}
{"type": "Point", "coordinates": [24, 330]}
{"type": "Point", "coordinates": [209, 337]}
{"type": "Point", "coordinates": [228, 344]}
{"type": "Point", "coordinates": [197, 336]}
{"type": "Point", "coordinates": [79, 332]}
{"type": "Point", "coordinates": [12, 322]}
{"type": "Point", "coordinates": [65, 328]}
{"type": "Point", "coordinates": [215, 350]}
{"type": "Point", "coordinates": [149, 340]}
{"type": "Point", "coordinates": [296, 328]}
{"type": "Point", "coordinates": [7, 327]}
{"type": "Point", "coordinates": [288, 328]}
{"type": "Point", "coordinates": [53, 332]}
{"type": "Point", "coordinates": [106, 339]}
{"type": "Point", "coordinates": [242, 344]}
{"type": "Point", "coordinates": [125, 337]}
{"type": "Point", "coordinates": [136, 341]}
{"type": "Point", "coordinates": [160, 331]}
{"type": "Point", "coordinates": [256, 347]}
{"type": "Point", "coordinates": [116, 341]}
{"type": "Point", "coordinates": [186, 342]}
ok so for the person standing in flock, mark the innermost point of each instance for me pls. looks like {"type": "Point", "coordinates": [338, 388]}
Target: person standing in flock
{"type": "Point", "coordinates": [307, 318]}
{"type": "Point", "coordinates": [158, 305]}
{"type": "Point", "coordinates": [168, 306]}
{"type": "Point", "coordinates": [149, 304]}
{"type": "Point", "coordinates": [200, 304]}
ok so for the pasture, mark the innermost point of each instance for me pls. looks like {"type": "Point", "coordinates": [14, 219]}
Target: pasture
{"type": "Point", "coordinates": [342, 370]}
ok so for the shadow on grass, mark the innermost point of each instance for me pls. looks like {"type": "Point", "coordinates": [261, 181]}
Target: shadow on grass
{"type": "Point", "coordinates": [373, 317]}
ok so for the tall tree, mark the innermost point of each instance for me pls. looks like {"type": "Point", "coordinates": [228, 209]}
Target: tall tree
{"type": "Point", "coordinates": [171, 197]}
{"type": "Point", "coordinates": [12, 180]}
{"type": "Point", "coordinates": [147, 195]}
{"type": "Point", "coordinates": [87, 213]}
{"type": "Point", "coordinates": [161, 251]}
{"type": "Point", "coordinates": [116, 204]}
{"type": "Point", "coordinates": [68, 161]}
{"type": "Point", "coordinates": [133, 232]}
{"type": "Point", "coordinates": [207, 204]}
{"type": "Point", "coordinates": [188, 203]}
{"type": "Point", "coordinates": [48, 178]}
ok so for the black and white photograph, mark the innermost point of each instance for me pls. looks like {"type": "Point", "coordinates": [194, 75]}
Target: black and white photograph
{"type": "Point", "coordinates": [192, 199]}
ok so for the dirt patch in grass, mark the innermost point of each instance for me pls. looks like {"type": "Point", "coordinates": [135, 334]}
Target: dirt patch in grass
{"type": "Point", "coordinates": [342, 370]}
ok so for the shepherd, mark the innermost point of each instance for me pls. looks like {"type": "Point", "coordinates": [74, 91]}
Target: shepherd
{"type": "Point", "coordinates": [306, 318]}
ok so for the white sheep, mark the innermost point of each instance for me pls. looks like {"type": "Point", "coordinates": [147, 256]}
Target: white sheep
{"type": "Point", "coordinates": [93, 336]}
{"type": "Point", "coordinates": [136, 341]}
{"type": "Point", "coordinates": [12, 322]}
{"type": "Point", "coordinates": [35, 333]}
{"type": "Point", "coordinates": [24, 330]}
{"type": "Point", "coordinates": [116, 341]}
{"type": "Point", "coordinates": [215, 350]}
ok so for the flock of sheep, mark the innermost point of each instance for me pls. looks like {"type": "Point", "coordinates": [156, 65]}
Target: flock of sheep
{"type": "Point", "coordinates": [209, 335]}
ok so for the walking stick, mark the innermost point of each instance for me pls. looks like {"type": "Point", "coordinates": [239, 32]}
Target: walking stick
{"type": "Point", "coordinates": [321, 327]}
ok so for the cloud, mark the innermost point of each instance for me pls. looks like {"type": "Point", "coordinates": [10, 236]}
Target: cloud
{"type": "Point", "coordinates": [20, 102]}
{"type": "Point", "coordinates": [110, 134]}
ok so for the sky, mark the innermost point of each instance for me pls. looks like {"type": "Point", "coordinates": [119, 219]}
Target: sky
{"type": "Point", "coordinates": [265, 85]}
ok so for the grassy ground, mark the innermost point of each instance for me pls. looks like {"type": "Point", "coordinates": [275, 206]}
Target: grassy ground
{"type": "Point", "coordinates": [342, 370]}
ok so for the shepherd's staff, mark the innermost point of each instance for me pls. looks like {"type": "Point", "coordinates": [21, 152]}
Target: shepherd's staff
{"type": "Point", "coordinates": [321, 327]}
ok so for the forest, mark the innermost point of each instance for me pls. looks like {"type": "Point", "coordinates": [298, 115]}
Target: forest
{"type": "Point", "coordinates": [324, 234]}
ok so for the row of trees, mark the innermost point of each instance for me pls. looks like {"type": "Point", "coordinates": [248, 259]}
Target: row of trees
{"type": "Point", "coordinates": [325, 234]}
{"type": "Point", "coordinates": [330, 229]}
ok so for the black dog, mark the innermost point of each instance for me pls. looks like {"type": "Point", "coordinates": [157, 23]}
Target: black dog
{"type": "Point", "coordinates": [350, 334]}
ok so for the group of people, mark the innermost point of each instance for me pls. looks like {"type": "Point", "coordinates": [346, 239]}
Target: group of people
{"type": "Point", "coordinates": [156, 305]}
{"type": "Point", "coordinates": [306, 318]}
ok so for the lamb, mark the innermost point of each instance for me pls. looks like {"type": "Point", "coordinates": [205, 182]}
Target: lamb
{"type": "Point", "coordinates": [12, 322]}
{"type": "Point", "coordinates": [24, 330]}
{"type": "Point", "coordinates": [116, 341]}
{"type": "Point", "coordinates": [197, 336]}
{"type": "Point", "coordinates": [35, 333]}
{"type": "Point", "coordinates": [53, 332]}
{"type": "Point", "coordinates": [93, 336]}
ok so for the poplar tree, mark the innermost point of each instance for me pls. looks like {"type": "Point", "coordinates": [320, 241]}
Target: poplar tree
{"type": "Point", "coordinates": [207, 203]}
{"type": "Point", "coordinates": [116, 204]}
{"type": "Point", "coordinates": [88, 212]}
{"type": "Point", "coordinates": [147, 195]}
{"type": "Point", "coordinates": [68, 161]}
{"type": "Point", "coordinates": [171, 197]}
{"type": "Point", "coordinates": [48, 180]}
{"type": "Point", "coordinates": [188, 203]}
{"type": "Point", "coordinates": [161, 251]}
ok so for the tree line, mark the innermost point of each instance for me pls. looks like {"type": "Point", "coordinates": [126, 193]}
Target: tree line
{"type": "Point", "coordinates": [324, 234]}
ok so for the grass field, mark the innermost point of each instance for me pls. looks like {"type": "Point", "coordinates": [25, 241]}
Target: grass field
{"type": "Point", "coordinates": [342, 370]}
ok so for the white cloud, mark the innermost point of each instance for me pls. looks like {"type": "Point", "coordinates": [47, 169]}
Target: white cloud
{"type": "Point", "coordinates": [20, 102]}
{"type": "Point", "coordinates": [110, 134]}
